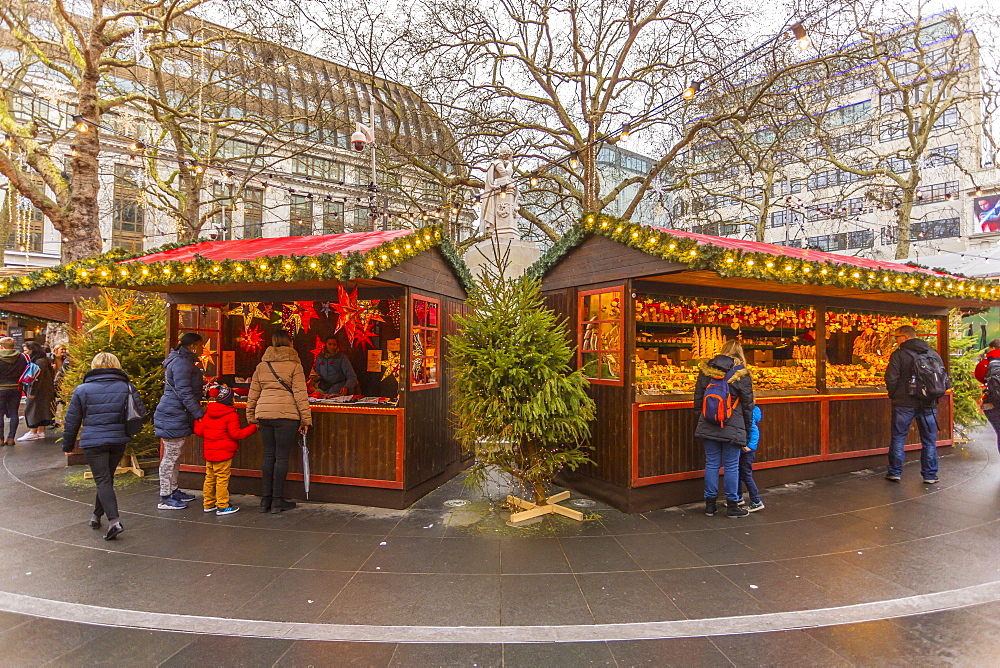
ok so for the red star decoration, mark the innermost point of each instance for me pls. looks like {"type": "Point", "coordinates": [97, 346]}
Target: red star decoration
{"type": "Point", "coordinates": [356, 316]}
{"type": "Point", "coordinates": [320, 345]}
{"type": "Point", "coordinates": [252, 339]}
{"type": "Point", "coordinates": [364, 338]}
{"type": "Point", "coordinates": [307, 313]}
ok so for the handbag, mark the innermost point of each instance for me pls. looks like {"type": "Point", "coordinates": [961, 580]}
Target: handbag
{"type": "Point", "coordinates": [135, 418]}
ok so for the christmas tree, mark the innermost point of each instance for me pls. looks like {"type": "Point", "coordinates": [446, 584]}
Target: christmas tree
{"type": "Point", "coordinates": [133, 326]}
{"type": "Point", "coordinates": [966, 390]}
{"type": "Point", "coordinates": [521, 408]}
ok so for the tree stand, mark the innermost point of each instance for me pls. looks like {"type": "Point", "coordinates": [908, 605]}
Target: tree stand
{"type": "Point", "coordinates": [549, 507]}
{"type": "Point", "coordinates": [133, 467]}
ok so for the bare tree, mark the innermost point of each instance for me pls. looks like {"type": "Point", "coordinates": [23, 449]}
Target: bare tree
{"type": "Point", "coordinates": [77, 45]}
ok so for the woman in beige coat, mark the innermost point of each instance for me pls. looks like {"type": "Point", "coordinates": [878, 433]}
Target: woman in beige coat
{"type": "Point", "coordinates": [279, 403]}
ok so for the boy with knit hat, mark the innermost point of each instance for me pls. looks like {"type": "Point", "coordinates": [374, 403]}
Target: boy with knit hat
{"type": "Point", "coordinates": [221, 432]}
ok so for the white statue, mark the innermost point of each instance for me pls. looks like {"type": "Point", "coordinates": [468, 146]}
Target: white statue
{"type": "Point", "coordinates": [501, 196]}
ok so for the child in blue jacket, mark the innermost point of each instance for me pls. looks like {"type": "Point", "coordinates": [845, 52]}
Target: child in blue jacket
{"type": "Point", "coordinates": [746, 464]}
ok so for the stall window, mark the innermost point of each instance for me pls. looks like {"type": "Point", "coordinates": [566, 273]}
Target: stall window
{"type": "Point", "coordinates": [425, 351]}
{"type": "Point", "coordinates": [204, 320]}
{"type": "Point", "coordinates": [600, 327]}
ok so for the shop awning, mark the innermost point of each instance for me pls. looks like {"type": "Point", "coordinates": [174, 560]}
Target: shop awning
{"type": "Point", "coordinates": [251, 249]}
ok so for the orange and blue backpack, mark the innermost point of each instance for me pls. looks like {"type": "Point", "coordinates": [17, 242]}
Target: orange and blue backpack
{"type": "Point", "coordinates": [719, 402]}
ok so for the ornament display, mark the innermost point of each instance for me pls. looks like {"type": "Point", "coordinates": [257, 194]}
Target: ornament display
{"type": "Point", "coordinates": [356, 317]}
{"type": "Point", "coordinates": [251, 340]}
{"type": "Point", "coordinates": [114, 316]}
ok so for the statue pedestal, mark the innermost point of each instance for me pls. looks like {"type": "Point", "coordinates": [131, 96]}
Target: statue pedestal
{"type": "Point", "coordinates": [520, 254]}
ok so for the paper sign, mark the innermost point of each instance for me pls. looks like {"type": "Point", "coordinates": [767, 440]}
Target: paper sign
{"type": "Point", "coordinates": [374, 357]}
{"type": "Point", "coordinates": [228, 362]}
{"type": "Point", "coordinates": [185, 307]}
{"type": "Point", "coordinates": [392, 345]}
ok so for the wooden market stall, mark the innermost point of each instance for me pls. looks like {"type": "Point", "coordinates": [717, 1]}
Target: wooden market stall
{"type": "Point", "coordinates": [388, 297]}
{"type": "Point", "coordinates": [645, 304]}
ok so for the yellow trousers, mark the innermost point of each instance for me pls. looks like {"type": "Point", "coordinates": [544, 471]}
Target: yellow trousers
{"type": "Point", "coordinates": [216, 490]}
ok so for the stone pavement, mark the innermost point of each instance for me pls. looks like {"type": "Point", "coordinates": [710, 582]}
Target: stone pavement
{"type": "Point", "coordinates": [847, 570]}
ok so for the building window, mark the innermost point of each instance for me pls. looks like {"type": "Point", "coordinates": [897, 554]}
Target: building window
{"type": "Point", "coordinates": [28, 220]}
{"type": "Point", "coordinates": [860, 239]}
{"type": "Point", "coordinates": [600, 335]}
{"type": "Point", "coordinates": [948, 119]}
{"type": "Point", "coordinates": [783, 218]}
{"type": "Point", "coordinates": [935, 229]}
{"type": "Point", "coordinates": [939, 192]}
{"type": "Point", "coordinates": [828, 242]}
{"type": "Point", "coordinates": [253, 213]}
{"type": "Point", "coordinates": [127, 221]}
{"type": "Point", "coordinates": [300, 216]}
{"type": "Point", "coordinates": [425, 333]}
{"type": "Point", "coordinates": [363, 220]}
{"type": "Point", "coordinates": [333, 217]}
{"type": "Point", "coordinates": [222, 200]}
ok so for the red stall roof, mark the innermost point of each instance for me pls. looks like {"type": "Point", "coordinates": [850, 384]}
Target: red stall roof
{"type": "Point", "coordinates": [798, 253]}
{"type": "Point", "coordinates": [249, 249]}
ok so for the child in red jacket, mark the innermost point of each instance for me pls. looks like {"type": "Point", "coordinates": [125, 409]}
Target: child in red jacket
{"type": "Point", "coordinates": [221, 431]}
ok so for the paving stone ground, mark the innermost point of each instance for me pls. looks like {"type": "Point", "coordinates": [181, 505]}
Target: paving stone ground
{"type": "Point", "coordinates": [860, 552]}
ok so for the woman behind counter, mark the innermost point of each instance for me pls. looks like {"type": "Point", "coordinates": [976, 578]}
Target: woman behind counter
{"type": "Point", "coordinates": [279, 403]}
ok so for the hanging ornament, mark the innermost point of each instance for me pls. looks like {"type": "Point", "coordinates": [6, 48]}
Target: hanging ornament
{"type": "Point", "coordinates": [390, 366]}
{"type": "Point", "coordinates": [248, 311]}
{"type": "Point", "coordinates": [137, 45]}
{"type": "Point", "coordinates": [317, 351]}
{"type": "Point", "coordinates": [393, 311]}
{"type": "Point", "coordinates": [307, 313]}
{"type": "Point", "coordinates": [326, 309]}
{"type": "Point", "coordinates": [252, 339]}
{"type": "Point", "coordinates": [290, 319]}
{"type": "Point", "coordinates": [114, 317]}
{"type": "Point", "coordinates": [206, 355]}
{"type": "Point", "coordinates": [365, 337]}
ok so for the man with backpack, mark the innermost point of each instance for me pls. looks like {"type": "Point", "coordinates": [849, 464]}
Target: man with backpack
{"type": "Point", "coordinates": [915, 380]}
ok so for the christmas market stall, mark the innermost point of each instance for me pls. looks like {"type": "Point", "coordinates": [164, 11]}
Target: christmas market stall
{"type": "Point", "coordinates": [386, 298]}
{"type": "Point", "coordinates": [644, 305]}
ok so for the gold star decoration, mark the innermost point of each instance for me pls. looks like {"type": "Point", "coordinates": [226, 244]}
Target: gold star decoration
{"type": "Point", "coordinates": [114, 317]}
{"type": "Point", "coordinates": [206, 354]}
{"type": "Point", "coordinates": [390, 366]}
{"type": "Point", "coordinates": [248, 311]}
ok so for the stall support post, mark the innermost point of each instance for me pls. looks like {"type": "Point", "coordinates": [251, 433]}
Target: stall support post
{"type": "Point", "coordinates": [944, 345]}
{"type": "Point", "coordinates": [821, 349]}
{"type": "Point", "coordinates": [173, 324]}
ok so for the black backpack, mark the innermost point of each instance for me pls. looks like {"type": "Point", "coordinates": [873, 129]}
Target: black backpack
{"type": "Point", "coordinates": [993, 382]}
{"type": "Point", "coordinates": [929, 381]}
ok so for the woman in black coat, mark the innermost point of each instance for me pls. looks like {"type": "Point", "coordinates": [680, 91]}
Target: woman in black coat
{"type": "Point", "coordinates": [97, 416]}
{"type": "Point", "coordinates": [39, 395]}
{"type": "Point", "coordinates": [724, 442]}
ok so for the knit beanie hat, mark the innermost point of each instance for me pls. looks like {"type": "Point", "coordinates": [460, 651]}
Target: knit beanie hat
{"type": "Point", "coordinates": [224, 395]}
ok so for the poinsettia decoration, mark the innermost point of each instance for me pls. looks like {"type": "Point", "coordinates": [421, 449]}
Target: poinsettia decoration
{"type": "Point", "coordinates": [252, 339]}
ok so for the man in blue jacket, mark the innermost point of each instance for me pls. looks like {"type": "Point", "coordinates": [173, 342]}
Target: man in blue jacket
{"type": "Point", "coordinates": [174, 418]}
{"type": "Point", "coordinates": [334, 370]}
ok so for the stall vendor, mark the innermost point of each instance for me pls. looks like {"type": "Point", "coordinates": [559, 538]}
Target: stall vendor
{"type": "Point", "coordinates": [333, 371]}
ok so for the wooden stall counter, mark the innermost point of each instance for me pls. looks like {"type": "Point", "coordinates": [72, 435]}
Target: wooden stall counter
{"type": "Point", "coordinates": [356, 455]}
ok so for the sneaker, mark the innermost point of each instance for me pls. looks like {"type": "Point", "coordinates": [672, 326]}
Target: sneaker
{"type": "Point", "coordinates": [710, 507]}
{"type": "Point", "coordinates": [228, 510]}
{"type": "Point", "coordinates": [755, 506]}
{"type": "Point", "coordinates": [182, 496]}
{"type": "Point", "coordinates": [893, 478]}
{"type": "Point", "coordinates": [930, 481]}
{"type": "Point", "coordinates": [741, 502]}
{"type": "Point", "coordinates": [733, 510]}
{"type": "Point", "coordinates": [211, 510]}
{"type": "Point", "coordinates": [26, 436]}
{"type": "Point", "coordinates": [170, 503]}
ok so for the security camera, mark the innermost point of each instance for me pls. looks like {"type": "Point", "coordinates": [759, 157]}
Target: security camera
{"type": "Point", "coordinates": [362, 137]}
{"type": "Point", "coordinates": [213, 234]}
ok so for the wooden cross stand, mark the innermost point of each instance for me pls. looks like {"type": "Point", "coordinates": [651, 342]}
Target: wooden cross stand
{"type": "Point", "coordinates": [132, 468]}
{"type": "Point", "coordinates": [533, 510]}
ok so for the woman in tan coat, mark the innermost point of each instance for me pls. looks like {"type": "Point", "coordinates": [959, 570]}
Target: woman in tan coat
{"type": "Point", "coordinates": [279, 403]}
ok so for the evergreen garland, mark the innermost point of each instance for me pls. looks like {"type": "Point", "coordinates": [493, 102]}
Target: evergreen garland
{"type": "Point", "coordinates": [108, 270]}
{"type": "Point", "coordinates": [773, 267]}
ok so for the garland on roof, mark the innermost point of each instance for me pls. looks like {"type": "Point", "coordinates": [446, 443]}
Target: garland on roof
{"type": "Point", "coordinates": [105, 270]}
{"type": "Point", "coordinates": [729, 262]}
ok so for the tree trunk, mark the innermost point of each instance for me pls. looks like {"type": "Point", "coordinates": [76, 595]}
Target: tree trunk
{"type": "Point", "coordinates": [190, 209]}
{"type": "Point", "coordinates": [903, 218]}
{"type": "Point", "coordinates": [540, 490]}
{"type": "Point", "coordinates": [81, 229]}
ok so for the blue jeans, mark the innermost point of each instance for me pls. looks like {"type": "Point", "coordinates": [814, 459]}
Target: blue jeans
{"type": "Point", "coordinates": [993, 415]}
{"type": "Point", "coordinates": [746, 475]}
{"type": "Point", "coordinates": [727, 456]}
{"type": "Point", "coordinates": [902, 418]}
